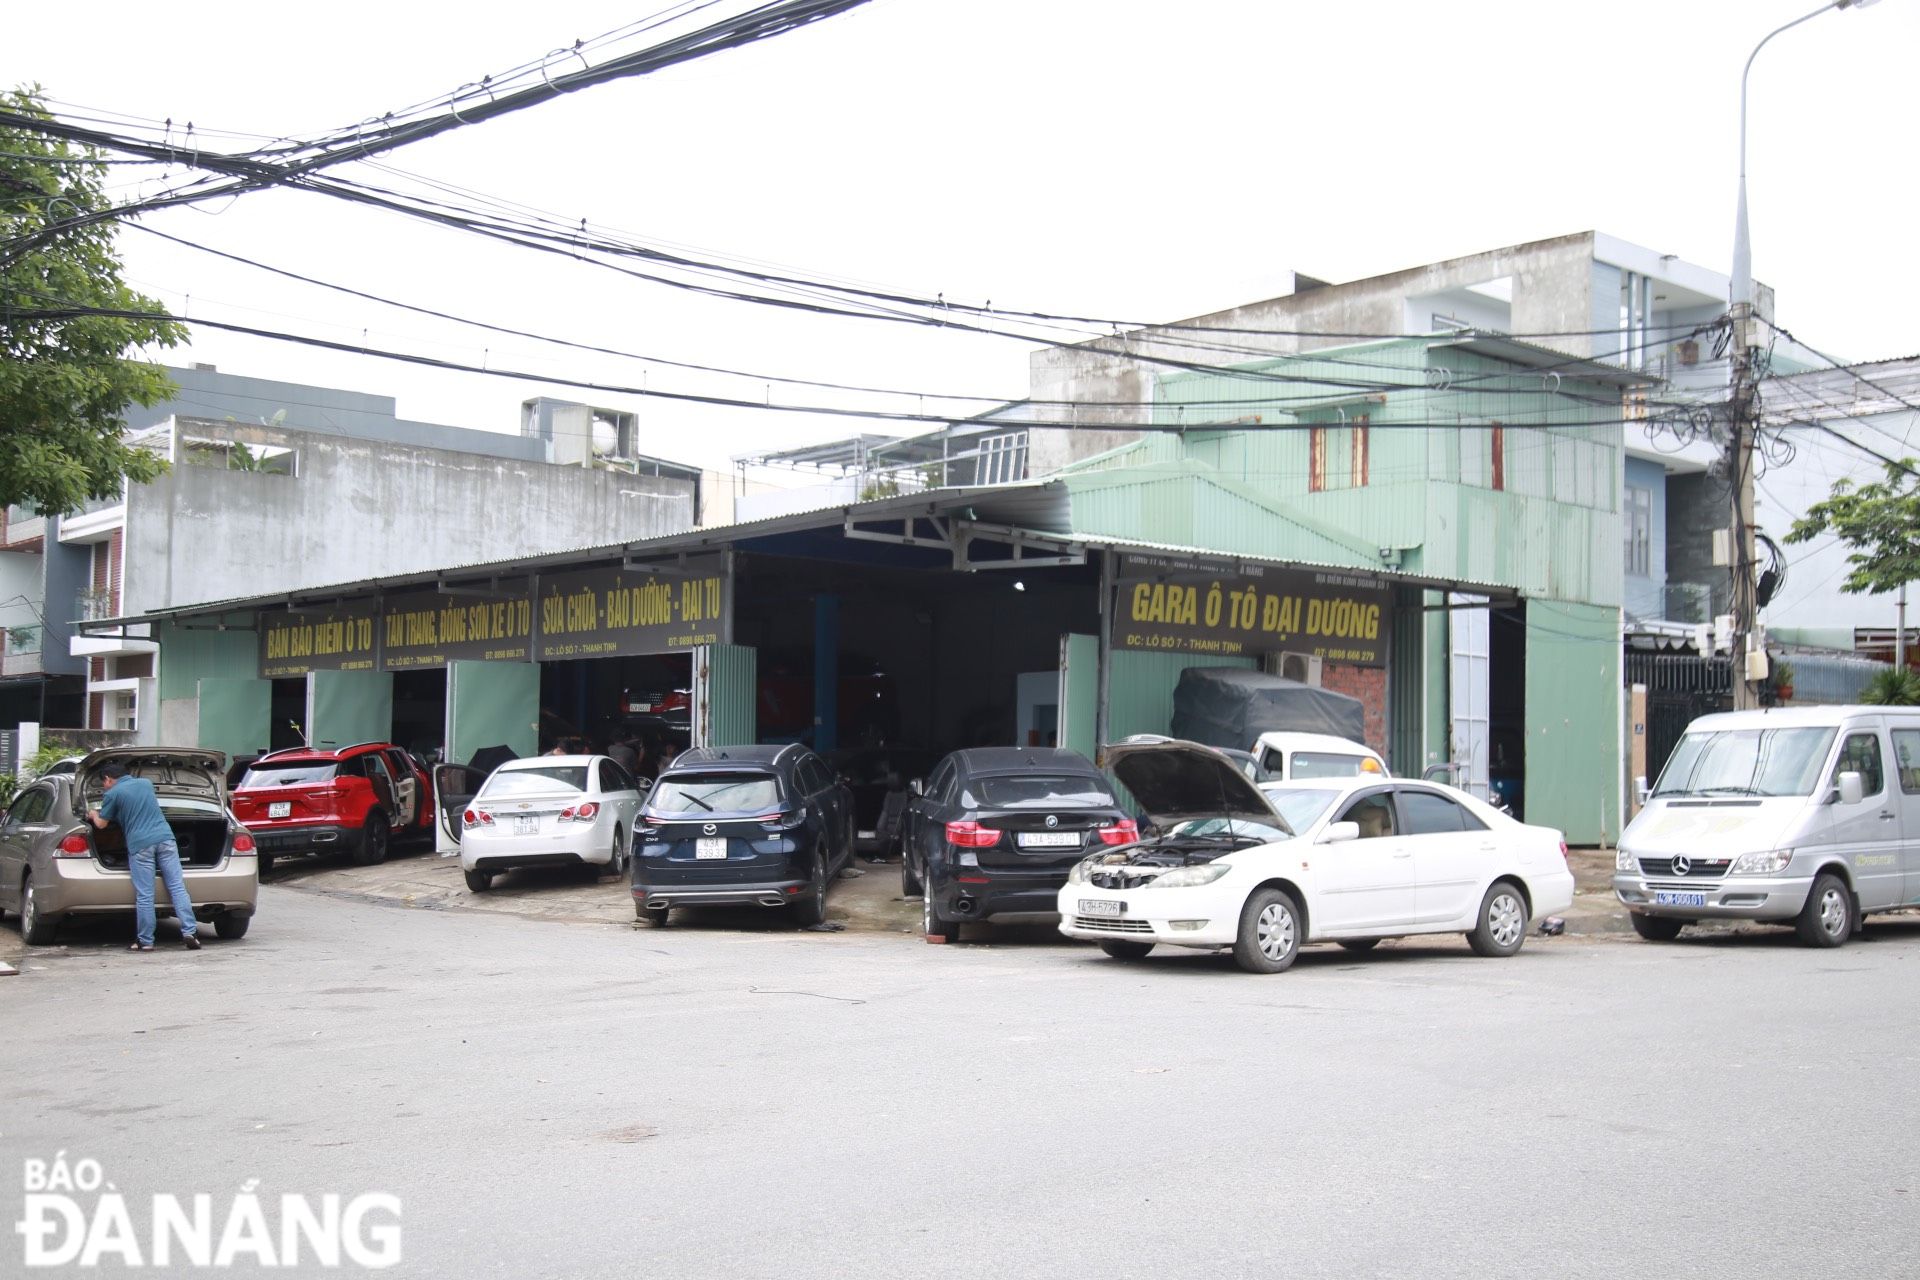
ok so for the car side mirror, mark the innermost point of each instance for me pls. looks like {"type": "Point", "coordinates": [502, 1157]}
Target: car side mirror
{"type": "Point", "coordinates": [1852, 787]}
{"type": "Point", "coordinates": [1641, 790]}
{"type": "Point", "coordinates": [918, 787]}
{"type": "Point", "coordinates": [1340, 832]}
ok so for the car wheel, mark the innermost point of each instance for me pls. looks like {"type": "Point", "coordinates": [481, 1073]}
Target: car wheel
{"type": "Point", "coordinates": [614, 864]}
{"type": "Point", "coordinates": [812, 908]}
{"type": "Point", "coordinates": [1827, 919]}
{"type": "Point", "coordinates": [1503, 921]}
{"type": "Point", "coordinates": [373, 841]}
{"type": "Point", "coordinates": [1269, 937]}
{"type": "Point", "coordinates": [36, 927]}
{"type": "Point", "coordinates": [479, 881]}
{"type": "Point", "coordinates": [657, 917]}
{"type": "Point", "coordinates": [1360, 944]}
{"type": "Point", "coordinates": [232, 927]}
{"type": "Point", "coordinates": [1126, 950]}
{"type": "Point", "coordinates": [930, 922]}
{"type": "Point", "coordinates": [909, 882]}
{"type": "Point", "coordinates": [1656, 928]}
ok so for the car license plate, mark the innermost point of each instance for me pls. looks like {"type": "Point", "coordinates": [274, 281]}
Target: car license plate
{"type": "Point", "coordinates": [865, 835]}
{"type": "Point", "coordinates": [526, 824]}
{"type": "Point", "coordinates": [280, 808]}
{"type": "Point", "coordinates": [1049, 839]}
{"type": "Point", "coordinates": [710, 847]}
{"type": "Point", "coordinates": [1663, 899]}
{"type": "Point", "coordinates": [1102, 907]}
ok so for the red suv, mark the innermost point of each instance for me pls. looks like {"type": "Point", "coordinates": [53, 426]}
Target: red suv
{"type": "Point", "coordinates": [356, 800]}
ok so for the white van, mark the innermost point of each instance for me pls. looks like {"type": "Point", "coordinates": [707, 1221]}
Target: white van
{"type": "Point", "coordinates": [1286, 756]}
{"type": "Point", "coordinates": [1808, 816]}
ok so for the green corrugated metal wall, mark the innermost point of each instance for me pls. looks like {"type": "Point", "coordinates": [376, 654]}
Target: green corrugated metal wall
{"type": "Point", "coordinates": [1573, 719]}
{"type": "Point", "coordinates": [345, 707]}
{"type": "Point", "coordinates": [1080, 693]}
{"type": "Point", "coordinates": [236, 714]}
{"type": "Point", "coordinates": [733, 695]}
{"type": "Point", "coordinates": [188, 657]}
{"type": "Point", "coordinates": [492, 703]}
{"type": "Point", "coordinates": [1140, 690]}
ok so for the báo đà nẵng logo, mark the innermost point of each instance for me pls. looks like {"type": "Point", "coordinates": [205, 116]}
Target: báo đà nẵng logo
{"type": "Point", "coordinates": [72, 1216]}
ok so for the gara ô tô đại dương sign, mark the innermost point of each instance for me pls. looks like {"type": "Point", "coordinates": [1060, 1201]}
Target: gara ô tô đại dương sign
{"type": "Point", "coordinates": [1172, 605]}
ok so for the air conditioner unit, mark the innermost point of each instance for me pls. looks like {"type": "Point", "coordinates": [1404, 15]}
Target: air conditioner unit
{"type": "Point", "coordinates": [1304, 667]}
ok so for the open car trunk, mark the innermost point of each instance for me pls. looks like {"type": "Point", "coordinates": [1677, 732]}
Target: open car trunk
{"type": "Point", "coordinates": [200, 833]}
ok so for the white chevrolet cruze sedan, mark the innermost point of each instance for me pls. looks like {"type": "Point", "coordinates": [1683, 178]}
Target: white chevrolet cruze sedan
{"type": "Point", "coordinates": [1263, 871]}
{"type": "Point", "coordinates": [550, 811]}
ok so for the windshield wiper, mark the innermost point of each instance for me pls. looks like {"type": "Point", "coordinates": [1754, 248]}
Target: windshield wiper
{"type": "Point", "coordinates": [1729, 791]}
{"type": "Point", "coordinates": [697, 800]}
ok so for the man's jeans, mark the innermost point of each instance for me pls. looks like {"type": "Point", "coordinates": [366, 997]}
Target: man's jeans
{"type": "Point", "coordinates": [141, 865]}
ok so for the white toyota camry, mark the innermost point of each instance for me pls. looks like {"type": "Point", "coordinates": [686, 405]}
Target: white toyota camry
{"type": "Point", "coordinates": [1262, 871]}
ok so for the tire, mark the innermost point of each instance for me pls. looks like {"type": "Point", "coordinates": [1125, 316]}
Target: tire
{"type": "Point", "coordinates": [1360, 944]}
{"type": "Point", "coordinates": [232, 927]}
{"type": "Point", "coordinates": [1657, 928]}
{"type": "Point", "coordinates": [373, 841]}
{"type": "Point", "coordinates": [1126, 950]}
{"type": "Point", "coordinates": [931, 924]}
{"type": "Point", "coordinates": [37, 929]}
{"type": "Point", "coordinates": [812, 909]}
{"type": "Point", "coordinates": [1270, 931]}
{"type": "Point", "coordinates": [909, 882]}
{"type": "Point", "coordinates": [1503, 921]}
{"type": "Point", "coordinates": [479, 881]}
{"type": "Point", "coordinates": [616, 860]}
{"type": "Point", "coordinates": [1827, 919]}
{"type": "Point", "coordinates": [657, 919]}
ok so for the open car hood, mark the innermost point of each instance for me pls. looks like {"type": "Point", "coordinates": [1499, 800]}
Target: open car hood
{"type": "Point", "coordinates": [173, 771]}
{"type": "Point", "coordinates": [1174, 780]}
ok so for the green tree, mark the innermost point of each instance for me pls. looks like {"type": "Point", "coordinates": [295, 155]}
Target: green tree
{"type": "Point", "coordinates": [1892, 688]}
{"type": "Point", "coordinates": [1878, 523]}
{"type": "Point", "coordinates": [65, 382]}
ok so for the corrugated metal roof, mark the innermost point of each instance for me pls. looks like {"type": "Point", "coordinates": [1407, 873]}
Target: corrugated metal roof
{"type": "Point", "coordinates": [1041, 506]}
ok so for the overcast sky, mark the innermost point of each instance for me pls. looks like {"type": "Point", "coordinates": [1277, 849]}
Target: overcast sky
{"type": "Point", "coordinates": [1102, 157]}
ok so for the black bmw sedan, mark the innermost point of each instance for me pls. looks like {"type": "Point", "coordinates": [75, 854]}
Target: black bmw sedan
{"type": "Point", "coordinates": [995, 830]}
{"type": "Point", "coordinates": [742, 826]}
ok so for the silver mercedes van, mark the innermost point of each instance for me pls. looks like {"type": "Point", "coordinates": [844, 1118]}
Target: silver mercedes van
{"type": "Point", "coordinates": [1804, 816]}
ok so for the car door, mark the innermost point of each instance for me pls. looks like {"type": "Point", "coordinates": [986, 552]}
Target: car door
{"type": "Point", "coordinates": [1453, 854]}
{"type": "Point", "coordinates": [26, 825]}
{"type": "Point", "coordinates": [618, 793]}
{"type": "Point", "coordinates": [929, 817]}
{"type": "Point", "coordinates": [406, 789]}
{"type": "Point", "coordinates": [454, 786]}
{"type": "Point", "coordinates": [1365, 884]}
{"type": "Point", "coordinates": [1867, 834]}
{"type": "Point", "coordinates": [1906, 793]}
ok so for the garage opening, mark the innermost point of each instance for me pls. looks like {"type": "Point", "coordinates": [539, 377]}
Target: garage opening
{"type": "Point", "coordinates": [1507, 706]}
{"type": "Point", "coordinates": [287, 726]}
{"type": "Point", "coordinates": [646, 699]}
{"type": "Point", "coordinates": [420, 712]}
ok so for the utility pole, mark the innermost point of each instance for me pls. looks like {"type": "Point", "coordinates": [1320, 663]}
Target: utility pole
{"type": "Point", "coordinates": [1743, 407]}
{"type": "Point", "coordinates": [1900, 633]}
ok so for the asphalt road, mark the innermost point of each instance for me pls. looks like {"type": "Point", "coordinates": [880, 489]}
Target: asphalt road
{"type": "Point", "coordinates": [577, 1100]}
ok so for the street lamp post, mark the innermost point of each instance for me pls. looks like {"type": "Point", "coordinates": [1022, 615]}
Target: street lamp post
{"type": "Point", "coordinates": [1743, 403]}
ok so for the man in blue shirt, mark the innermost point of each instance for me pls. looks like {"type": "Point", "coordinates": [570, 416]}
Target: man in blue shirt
{"type": "Point", "coordinates": [131, 802]}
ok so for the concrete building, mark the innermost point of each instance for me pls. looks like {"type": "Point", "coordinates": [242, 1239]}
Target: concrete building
{"type": "Point", "coordinates": [284, 487]}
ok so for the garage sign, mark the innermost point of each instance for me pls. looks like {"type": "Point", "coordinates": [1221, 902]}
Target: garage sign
{"type": "Point", "coordinates": [610, 613]}
{"type": "Point", "coordinates": [1171, 605]}
{"type": "Point", "coordinates": [344, 638]}
{"type": "Point", "coordinates": [428, 629]}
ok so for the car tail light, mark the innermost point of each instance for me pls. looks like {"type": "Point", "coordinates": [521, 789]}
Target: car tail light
{"type": "Point", "coordinates": [243, 843]}
{"type": "Point", "coordinates": [74, 846]}
{"type": "Point", "coordinates": [1124, 831]}
{"type": "Point", "coordinates": [1563, 851]}
{"type": "Point", "coordinates": [583, 812]}
{"type": "Point", "coordinates": [971, 835]}
{"type": "Point", "coordinates": [477, 818]}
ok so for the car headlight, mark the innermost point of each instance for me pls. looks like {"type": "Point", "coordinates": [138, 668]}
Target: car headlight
{"type": "Point", "coordinates": [1762, 864]}
{"type": "Point", "coordinates": [1082, 872]}
{"type": "Point", "coordinates": [1625, 860]}
{"type": "Point", "coordinates": [1188, 877]}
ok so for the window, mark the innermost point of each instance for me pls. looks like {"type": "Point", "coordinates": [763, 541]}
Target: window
{"type": "Point", "coordinates": [286, 775]}
{"type": "Point", "coordinates": [1637, 524]}
{"type": "Point", "coordinates": [31, 807]}
{"type": "Point", "coordinates": [1497, 455]}
{"type": "Point", "coordinates": [1299, 806]}
{"type": "Point", "coordinates": [1428, 813]}
{"type": "Point", "coordinates": [697, 793]}
{"type": "Point", "coordinates": [1906, 755]}
{"type": "Point", "coordinates": [1338, 457]}
{"type": "Point", "coordinates": [1860, 754]}
{"type": "Point", "coordinates": [381, 777]}
{"type": "Point", "coordinates": [1326, 764]}
{"type": "Point", "coordinates": [1034, 791]}
{"type": "Point", "coordinates": [1746, 762]}
{"type": "Point", "coordinates": [1374, 813]}
{"type": "Point", "coordinates": [535, 780]}
{"type": "Point", "coordinates": [615, 778]}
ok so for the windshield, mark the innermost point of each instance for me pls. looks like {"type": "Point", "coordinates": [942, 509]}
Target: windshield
{"type": "Point", "coordinates": [716, 793]}
{"type": "Point", "coordinates": [1299, 807]}
{"type": "Point", "coordinates": [536, 780]}
{"type": "Point", "coordinates": [1035, 791]}
{"type": "Point", "coordinates": [288, 775]}
{"type": "Point", "coordinates": [1746, 762]}
{"type": "Point", "coordinates": [1324, 764]}
{"type": "Point", "coordinates": [1237, 828]}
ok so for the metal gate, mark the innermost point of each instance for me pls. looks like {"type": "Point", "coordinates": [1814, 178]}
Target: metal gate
{"type": "Point", "coordinates": [1680, 688]}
